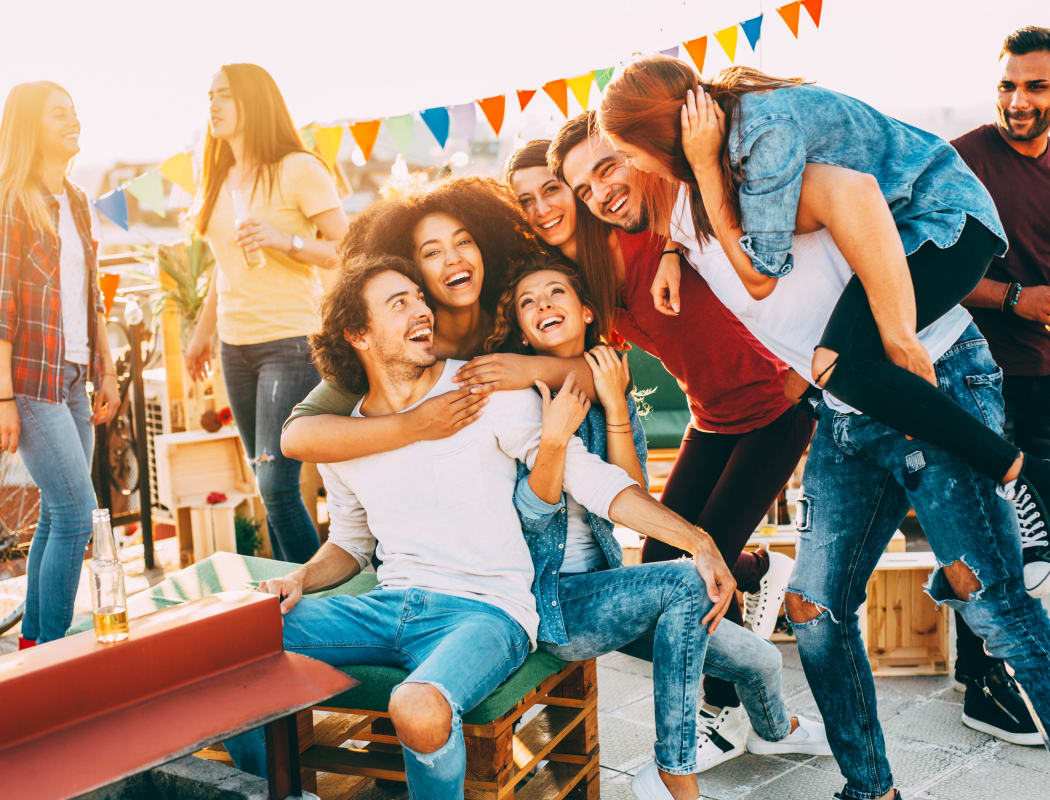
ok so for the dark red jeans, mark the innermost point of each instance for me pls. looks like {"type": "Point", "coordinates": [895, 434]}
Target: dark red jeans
{"type": "Point", "coordinates": [725, 483]}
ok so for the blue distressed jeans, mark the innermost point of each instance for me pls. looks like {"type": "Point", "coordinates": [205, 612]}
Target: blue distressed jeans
{"type": "Point", "coordinates": [860, 479]}
{"type": "Point", "coordinates": [607, 609]}
{"type": "Point", "coordinates": [464, 648]}
{"type": "Point", "coordinates": [56, 443]}
{"type": "Point", "coordinates": [264, 383]}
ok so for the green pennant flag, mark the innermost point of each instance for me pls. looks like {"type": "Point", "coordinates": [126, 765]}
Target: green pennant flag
{"type": "Point", "coordinates": [602, 77]}
{"type": "Point", "coordinates": [401, 130]}
{"type": "Point", "coordinates": [148, 189]}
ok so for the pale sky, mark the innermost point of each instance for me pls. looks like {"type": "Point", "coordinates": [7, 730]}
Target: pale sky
{"type": "Point", "coordinates": [139, 76]}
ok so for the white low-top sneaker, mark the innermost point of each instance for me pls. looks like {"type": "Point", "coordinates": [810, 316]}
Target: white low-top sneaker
{"type": "Point", "coordinates": [761, 608]}
{"type": "Point", "coordinates": [647, 785]}
{"type": "Point", "coordinates": [808, 738]}
{"type": "Point", "coordinates": [721, 734]}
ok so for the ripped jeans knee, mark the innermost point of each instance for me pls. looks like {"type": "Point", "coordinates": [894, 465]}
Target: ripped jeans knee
{"type": "Point", "coordinates": [955, 584]}
{"type": "Point", "coordinates": [804, 612]}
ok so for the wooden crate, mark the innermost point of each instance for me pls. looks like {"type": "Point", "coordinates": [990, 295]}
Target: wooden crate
{"type": "Point", "coordinates": [904, 631]}
{"type": "Point", "coordinates": [785, 538]}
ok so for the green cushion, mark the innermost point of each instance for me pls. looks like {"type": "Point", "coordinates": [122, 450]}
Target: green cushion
{"type": "Point", "coordinates": [668, 408]}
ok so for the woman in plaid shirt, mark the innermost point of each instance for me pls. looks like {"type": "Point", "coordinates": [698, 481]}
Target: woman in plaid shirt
{"type": "Point", "coordinates": [52, 340]}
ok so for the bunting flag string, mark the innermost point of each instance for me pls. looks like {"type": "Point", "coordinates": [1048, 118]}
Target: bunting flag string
{"type": "Point", "coordinates": [365, 135]}
{"type": "Point", "coordinates": [524, 96]}
{"type": "Point", "coordinates": [400, 128]}
{"type": "Point", "coordinates": [813, 9]}
{"type": "Point", "coordinates": [697, 50]}
{"type": "Point", "coordinates": [752, 29]}
{"type": "Point", "coordinates": [789, 14]}
{"type": "Point", "coordinates": [114, 207]}
{"type": "Point", "coordinates": [558, 91]}
{"type": "Point", "coordinates": [670, 52]}
{"type": "Point", "coordinates": [327, 142]}
{"type": "Point", "coordinates": [179, 170]}
{"type": "Point", "coordinates": [493, 108]}
{"type": "Point", "coordinates": [581, 88]}
{"type": "Point", "coordinates": [466, 120]}
{"type": "Point", "coordinates": [727, 38]}
{"type": "Point", "coordinates": [437, 120]}
{"type": "Point", "coordinates": [148, 189]}
{"type": "Point", "coordinates": [602, 77]}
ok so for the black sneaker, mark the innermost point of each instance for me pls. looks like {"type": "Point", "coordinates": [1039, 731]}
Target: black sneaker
{"type": "Point", "coordinates": [896, 795]}
{"type": "Point", "coordinates": [1032, 515]}
{"type": "Point", "coordinates": [994, 706]}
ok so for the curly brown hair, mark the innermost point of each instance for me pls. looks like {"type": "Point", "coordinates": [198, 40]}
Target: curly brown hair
{"type": "Point", "coordinates": [487, 209]}
{"type": "Point", "coordinates": [506, 336]}
{"type": "Point", "coordinates": [344, 311]}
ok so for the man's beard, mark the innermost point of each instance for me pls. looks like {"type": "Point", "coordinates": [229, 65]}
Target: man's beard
{"type": "Point", "coordinates": [638, 224]}
{"type": "Point", "coordinates": [396, 364]}
{"type": "Point", "coordinates": [1040, 124]}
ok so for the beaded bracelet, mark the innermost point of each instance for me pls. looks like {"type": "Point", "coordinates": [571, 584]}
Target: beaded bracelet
{"type": "Point", "coordinates": [1013, 294]}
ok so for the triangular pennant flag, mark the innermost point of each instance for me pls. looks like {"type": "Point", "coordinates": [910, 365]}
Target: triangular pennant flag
{"type": "Point", "coordinates": [670, 52]}
{"type": "Point", "coordinates": [307, 135]}
{"type": "Point", "coordinates": [524, 96]}
{"type": "Point", "coordinates": [179, 197]}
{"type": "Point", "coordinates": [581, 88]}
{"type": "Point", "coordinates": [494, 108]}
{"type": "Point", "coordinates": [559, 93]}
{"type": "Point", "coordinates": [789, 13]}
{"type": "Point", "coordinates": [114, 207]}
{"type": "Point", "coordinates": [327, 142]}
{"type": "Point", "coordinates": [466, 119]}
{"type": "Point", "coordinates": [727, 38]}
{"type": "Point", "coordinates": [179, 170]}
{"type": "Point", "coordinates": [602, 78]}
{"type": "Point", "coordinates": [813, 7]}
{"type": "Point", "coordinates": [148, 189]}
{"type": "Point", "coordinates": [697, 50]}
{"type": "Point", "coordinates": [752, 30]}
{"type": "Point", "coordinates": [437, 120]}
{"type": "Point", "coordinates": [365, 134]}
{"type": "Point", "coordinates": [401, 131]}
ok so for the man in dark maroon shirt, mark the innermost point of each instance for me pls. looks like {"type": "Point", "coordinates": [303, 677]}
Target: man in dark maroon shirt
{"type": "Point", "coordinates": [1011, 305]}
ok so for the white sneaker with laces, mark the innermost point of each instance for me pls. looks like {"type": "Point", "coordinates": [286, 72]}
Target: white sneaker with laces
{"type": "Point", "coordinates": [761, 608]}
{"type": "Point", "coordinates": [647, 785]}
{"type": "Point", "coordinates": [808, 738]}
{"type": "Point", "coordinates": [721, 734]}
{"type": "Point", "coordinates": [1035, 548]}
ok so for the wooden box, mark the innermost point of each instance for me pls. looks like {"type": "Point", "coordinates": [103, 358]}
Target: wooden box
{"type": "Point", "coordinates": [192, 464]}
{"type": "Point", "coordinates": [904, 631]}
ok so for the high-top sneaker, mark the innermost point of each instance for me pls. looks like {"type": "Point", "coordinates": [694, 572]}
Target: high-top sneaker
{"type": "Point", "coordinates": [721, 734]}
{"type": "Point", "coordinates": [994, 706]}
{"type": "Point", "coordinates": [1032, 514]}
{"type": "Point", "coordinates": [761, 608]}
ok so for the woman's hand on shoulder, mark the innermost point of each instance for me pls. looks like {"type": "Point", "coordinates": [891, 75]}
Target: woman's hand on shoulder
{"type": "Point", "coordinates": [496, 371]}
{"type": "Point", "coordinates": [612, 376]}
{"type": "Point", "coordinates": [563, 415]}
{"type": "Point", "coordinates": [703, 130]}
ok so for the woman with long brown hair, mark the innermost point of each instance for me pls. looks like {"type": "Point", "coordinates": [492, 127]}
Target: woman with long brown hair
{"type": "Point", "coordinates": [269, 210]}
{"type": "Point", "coordinates": [52, 341]}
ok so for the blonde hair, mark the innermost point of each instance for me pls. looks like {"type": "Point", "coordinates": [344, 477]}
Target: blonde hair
{"type": "Point", "coordinates": [19, 152]}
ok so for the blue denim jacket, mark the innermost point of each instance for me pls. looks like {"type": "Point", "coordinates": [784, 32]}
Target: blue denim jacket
{"type": "Point", "coordinates": [545, 525]}
{"type": "Point", "coordinates": [929, 189]}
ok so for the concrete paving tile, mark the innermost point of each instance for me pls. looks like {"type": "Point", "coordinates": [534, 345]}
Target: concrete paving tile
{"type": "Point", "coordinates": [640, 713]}
{"type": "Point", "coordinates": [621, 662]}
{"type": "Point", "coordinates": [1033, 758]}
{"type": "Point", "coordinates": [617, 689]}
{"type": "Point", "coordinates": [937, 722]}
{"type": "Point", "coordinates": [789, 652]}
{"type": "Point", "coordinates": [623, 745]}
{"type": "Point", "coordinates": [740, 776]}
{"type": "Point", "coordinates": [987, 777]}
{"type": "Point", "coordinates": [616, 786]}
{"type": "Point", "coordinates": [793, 682]}
{"type": "Point", "coordinates": [801, 783]}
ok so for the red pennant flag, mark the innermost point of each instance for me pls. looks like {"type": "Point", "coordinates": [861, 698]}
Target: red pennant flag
{"type": "Point", "coordinates": [559, 93]}
{"type": "Point", "coordinates": [697, 50]}
{"type": "Point", "coordinates": [789, 13]}
{"type": "Point", "coordinates": [813, 7]}
{"type": "Point", "coordinates": [365, 134]}
{"type": "Point", "coordinates": [493, 108]}
{"type": "Point", "coordinates": [524, 96]}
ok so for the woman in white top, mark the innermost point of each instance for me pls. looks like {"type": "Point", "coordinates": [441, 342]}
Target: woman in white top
{"type": "Point", "coordinates": [269, 210]}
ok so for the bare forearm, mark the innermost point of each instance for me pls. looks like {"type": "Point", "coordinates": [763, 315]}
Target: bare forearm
{"type": "Point", "coordinates": [620, 450]}
{"type": "Point", "coordinates": [327, 438]}
{"type": "Point", "coordinates": [548, 471]}
{"type": "Point", "coordinates": [553, 371]}
{"type": "Point", "coordinates": [102, 343]}
{"type": "Point", "coordinates": [318, 252]}
{"type": "Point", "coordinates": [209, 313]}
{"type": "Point", "coordinates": [330, 566]}
{"type": "Point", "coordinates": [988, 294]}
{"type": "Point", "coordinates": [6, 386]}
{"type": "Point", "coordinates": [635, 509]}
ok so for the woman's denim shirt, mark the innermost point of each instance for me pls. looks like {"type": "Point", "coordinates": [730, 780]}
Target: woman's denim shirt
{"type": "Point", "coordinates": [546, 525]}
{"type": "Point", "coordinates": [929, 189]}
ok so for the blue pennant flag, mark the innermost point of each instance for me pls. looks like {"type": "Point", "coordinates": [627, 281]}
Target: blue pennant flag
{"type": "Point", "coordinates": [752, 30]}
{"type": "Point", "coordinates": [114, 207]}
{"type": "Point", "coordinates": [438, 121]}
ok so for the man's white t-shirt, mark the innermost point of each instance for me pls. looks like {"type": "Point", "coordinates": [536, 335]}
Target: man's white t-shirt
{"type": "Point", "coordinates": [442, 512]}
{"type": "Point", "coordinates": [72, 281]}
{"type": "Point", "coordinates": [792, 319]}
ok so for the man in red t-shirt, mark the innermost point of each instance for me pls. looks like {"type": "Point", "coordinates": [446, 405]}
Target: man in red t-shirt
{"type": "Point", "coordinates": [1011, 305]}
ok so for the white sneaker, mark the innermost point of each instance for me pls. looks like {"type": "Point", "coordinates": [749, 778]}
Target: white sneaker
{"type": "Point", "coordinates": [720, 735]}
{"type": "Point", "coordinates": [808, 738]}
{"type": "Point", "coordinates": [762, 607]}
{"type": "Point", "coordinates": [647, 785]}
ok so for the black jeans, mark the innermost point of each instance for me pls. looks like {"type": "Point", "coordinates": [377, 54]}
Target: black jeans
{"type": "Point", "coordinates": [868, 381]}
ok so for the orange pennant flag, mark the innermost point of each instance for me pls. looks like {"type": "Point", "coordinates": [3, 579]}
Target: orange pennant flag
{"type": "Point", "coordinates": [790, 15]}
{"type": "Point", "coordinates": [813, 7]}
{"type": "Point", "coordinates": [493, 108]}
{"type": "Point", "coordinates": [727, 38]}
{"type": "Point", "coordinates": [327, 142]}
{"type": "Point", "coordinates": [697, 50]}
{"type": "Point", "coordinates": [524, 96]}
{"type": "Point", "coordinates": [559, 93]}
{"type": "Point", "coordinates": [179, 170]}
{"type": "Point", "coordinates": [581, 88]}
{"type": "Point", "coordinates": [365, 134]}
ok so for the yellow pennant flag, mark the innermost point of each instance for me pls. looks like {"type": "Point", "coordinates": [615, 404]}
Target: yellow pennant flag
{"type": "Point", "coordinates": [179, 170]}
{"type": "Point", "coordinates": [327, 142]}
{"type": "Point", "coordinates": [581, 88]}
{"type": "Point", "coordinates": [727, 38]}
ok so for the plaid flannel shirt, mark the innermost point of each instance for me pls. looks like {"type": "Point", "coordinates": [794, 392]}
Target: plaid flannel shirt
{"type": "Point", "coordinates": [31, 297]}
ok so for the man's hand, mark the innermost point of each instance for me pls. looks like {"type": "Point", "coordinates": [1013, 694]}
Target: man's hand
{"type": "Point", "coordinates": [563, 415]}
{"type": "Point", "coordinates": [666, 283]}
{"type": "Point", "coordinates": [289, 589]}
{"type": "Point", "coordinates": [719, 580]}
{"type": "Point", "coordinates": [10, 424]}
{"type": "Point", "coordinates": [1034, 304]}
{"type": "Point", "coordinates": [441, 416]}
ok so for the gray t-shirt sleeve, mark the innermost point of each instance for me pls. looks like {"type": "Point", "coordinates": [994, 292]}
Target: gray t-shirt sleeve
{"type": "Point", "coordinates": [326, 398]}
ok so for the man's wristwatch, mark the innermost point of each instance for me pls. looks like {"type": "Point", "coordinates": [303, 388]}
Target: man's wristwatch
{"type": "Point", "coordinates": [297, 244]}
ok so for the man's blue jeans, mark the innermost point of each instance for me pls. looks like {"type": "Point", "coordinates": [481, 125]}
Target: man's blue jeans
{"type": "Point", "coordinates": [860, 479]}
{"type": "Point", "coordinates": [56, 443]}
{"type": "Point", "coordinates": [463, 648]}
{"type": "Point", "coordinates": [264, 382]}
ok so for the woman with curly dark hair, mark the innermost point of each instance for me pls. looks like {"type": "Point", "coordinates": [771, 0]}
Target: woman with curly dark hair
{"type": "Point", "coordinates": [463, 234]}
